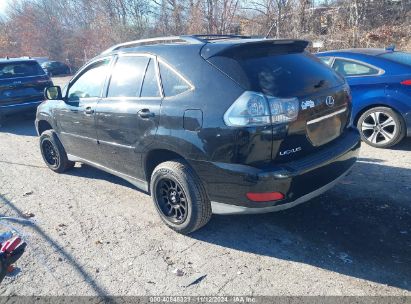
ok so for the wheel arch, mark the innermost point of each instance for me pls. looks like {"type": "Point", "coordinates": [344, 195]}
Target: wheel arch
{"type": "Point", "coordinates": [43, 125]}
{"type": "Point", "coordinates": [156, 157]}
{"type": "Point", "coordinates": [374, 105]}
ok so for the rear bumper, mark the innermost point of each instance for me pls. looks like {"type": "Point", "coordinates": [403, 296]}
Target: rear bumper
{"type": "Point", "coordinates": [19, 107]}
{"type": "Point", "coordinates": [299, 181]}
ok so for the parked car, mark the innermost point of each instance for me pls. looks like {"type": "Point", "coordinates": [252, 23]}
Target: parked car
{"type": "Point", "coordinates": [380, 81]}
{"type": "Point", "coordinates": [56, 68]}
{"type": "Point", "coordinates": [41, 60]}
{"type": "Point", "coordinates": [22, 84]}
{"type": "Point", "coordinates": [206, 124]}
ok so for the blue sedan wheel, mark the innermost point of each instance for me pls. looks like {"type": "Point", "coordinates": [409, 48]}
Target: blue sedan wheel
{"type": "Point", "coordinates": [381, 127]}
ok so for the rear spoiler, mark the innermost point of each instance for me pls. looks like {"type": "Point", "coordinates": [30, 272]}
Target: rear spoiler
{"type": "Point", "coordinates": [254, 47]}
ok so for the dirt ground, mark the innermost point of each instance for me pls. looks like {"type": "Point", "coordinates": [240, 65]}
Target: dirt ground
{"type": "Point", "coordinates": [95, 234]}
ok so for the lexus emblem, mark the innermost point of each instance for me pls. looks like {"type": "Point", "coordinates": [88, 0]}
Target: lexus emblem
{"type": "Point", "coordinates": [330, 101]}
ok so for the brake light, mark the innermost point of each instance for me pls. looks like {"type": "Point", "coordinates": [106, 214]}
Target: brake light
{"type": "Point", "coordinates": [255, 109]}
{"type": "Point", "coordinates": [406, 82]}
{"type": "Point", "coordinates": [265, 197]}
{"type": "Point", "coordinates": [283, 110]}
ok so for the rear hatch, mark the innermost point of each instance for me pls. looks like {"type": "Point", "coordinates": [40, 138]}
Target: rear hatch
{"type": "Point", "coordinates": [22, 82]}
{"type": "Point", "coordinates": [282, 69]}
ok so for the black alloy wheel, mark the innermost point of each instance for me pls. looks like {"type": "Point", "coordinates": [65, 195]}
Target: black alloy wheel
{"type": "Point", "coordinates": [172, 200]}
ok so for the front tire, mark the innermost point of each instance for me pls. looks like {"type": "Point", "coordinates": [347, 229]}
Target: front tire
{"type": "Point", "coordinates": [381, 127]}
{"type": "Point", "coordinates": [180, 197]}
{"type": "Point", "coordinates": [53, 152]}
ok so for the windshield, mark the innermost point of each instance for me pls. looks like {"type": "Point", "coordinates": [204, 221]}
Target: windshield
{"type": "Point", "coordinates": [20, 69]}
{"type": "Point", "coordinates": [282, 75]}
{"type": "Point", "coordinates": [400, 57]}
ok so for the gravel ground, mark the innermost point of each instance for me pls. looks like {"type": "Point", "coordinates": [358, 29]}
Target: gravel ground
{"type": "Point", "coordinates": [95, 234]}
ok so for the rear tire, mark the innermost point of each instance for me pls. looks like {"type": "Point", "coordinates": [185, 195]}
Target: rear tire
{"type": "Point", "coordinates": [381, 127]}
{"type": "Point", "coordinates": [180, 197]}
{"type": "Point", "coordinates": [53, 152]}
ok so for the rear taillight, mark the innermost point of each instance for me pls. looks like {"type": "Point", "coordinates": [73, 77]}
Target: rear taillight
{"type": "Point", "coordinates": [265, 197]}
{"type": "Point", "coordinates": [255, 109]}
{"type": "Point", "coordinates": [283, 110]}
{"type": "Point", "coordinates": [406, 82]}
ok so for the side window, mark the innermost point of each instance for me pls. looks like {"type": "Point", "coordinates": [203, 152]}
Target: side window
{"type": "Point", "coordinates": [326, 60]}
{"type": "Point", "coordinates": [352, 68]}
{"type": "Point", "coordinates": [173, 83]}
{"type": "Point", "coordinates": [90, 83]}
{"type": "Point", "coordinates": [127, 76]}
{"type": "Point", "coordinates": [150, 84]}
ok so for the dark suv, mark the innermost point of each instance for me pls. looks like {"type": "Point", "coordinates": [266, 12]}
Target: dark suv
{"type": "Point", "coordinates": [56, 68]}
{"type": "Point", "coordinates": [206, 124]}
{"type": "Point", "coordinates": [22, 84]}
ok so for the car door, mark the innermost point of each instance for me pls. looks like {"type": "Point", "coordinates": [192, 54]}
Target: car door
{"type": "Point", "coordinates": [76, 119]}
{"type": "Point", "coordinates": [127, 118]}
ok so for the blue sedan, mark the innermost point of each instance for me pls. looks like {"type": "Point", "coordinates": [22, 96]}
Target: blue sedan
{"type": "Point", "coordinates": [380, 81]}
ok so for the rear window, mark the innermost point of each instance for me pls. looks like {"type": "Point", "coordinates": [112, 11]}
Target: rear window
{"type": "Point", "coordinates": [400, 57]}
{"type": "Point", "coordinates": [280, 75]}
{"type": "Point", "coordinates": [20, 69]}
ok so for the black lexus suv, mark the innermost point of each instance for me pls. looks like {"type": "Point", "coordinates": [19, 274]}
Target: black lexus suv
{"type": "Point", "coordinates": [22, 84]}
{"type": "Point", "coordinates": [205, 124]}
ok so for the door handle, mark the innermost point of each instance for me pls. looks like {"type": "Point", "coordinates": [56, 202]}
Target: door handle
{"type": "Point", "coordinates": [89, 111]}
{"type": "Point", "coordinates": [145, 113]}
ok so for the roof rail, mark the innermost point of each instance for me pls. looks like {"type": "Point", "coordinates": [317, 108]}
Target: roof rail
{"type": "Point", "coordinates": [184, 39]}
{"type": "Point", "coordinates": [151, 41]}
{"type": "Point", "coordinates": [207, 38]}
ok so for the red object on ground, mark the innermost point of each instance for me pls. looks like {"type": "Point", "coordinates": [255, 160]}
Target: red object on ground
{"type": "Point", "coordinates": [10, 268]}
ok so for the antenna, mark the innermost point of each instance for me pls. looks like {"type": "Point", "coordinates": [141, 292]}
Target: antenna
{"type": "Point", "coordinates": [390, 48]}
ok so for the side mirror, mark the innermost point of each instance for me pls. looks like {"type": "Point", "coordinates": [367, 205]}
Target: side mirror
{"type": "Point", "coordinates": [53, 93]}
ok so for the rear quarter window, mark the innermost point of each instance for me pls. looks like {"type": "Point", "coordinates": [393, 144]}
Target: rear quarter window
{"type": "Point", "coordinates": [353, 68]}
{"type": "Point", "coordinates": [173, 82]}
{"type": "Point", "coordinates": [280, 75]}
{"type": "Point", "coordinates": [20, 69]}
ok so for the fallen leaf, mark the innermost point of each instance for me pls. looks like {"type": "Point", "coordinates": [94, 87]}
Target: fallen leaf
{"type": "Point", "coordinates": [197, 281]}
{"type": "Point", "coordinates": [178, 272]}
{"type": "Point", "coordinates": [28, 214]}
{"type": "Point", "coordinates": [28, 193]}
{"type": "Point", "coordinates": [10, 268]}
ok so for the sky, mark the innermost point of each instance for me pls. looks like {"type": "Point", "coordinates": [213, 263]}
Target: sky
{"type": "Point", "coordinates": [3, 4]}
